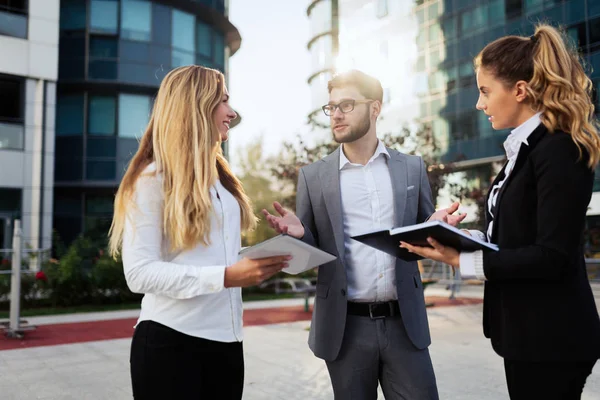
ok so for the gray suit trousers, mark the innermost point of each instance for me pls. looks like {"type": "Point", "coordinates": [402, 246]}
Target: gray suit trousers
{"type": "Point", "coordinates": [379, 351]}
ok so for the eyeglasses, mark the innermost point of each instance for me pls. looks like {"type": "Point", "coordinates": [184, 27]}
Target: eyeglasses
{"type": "Point", "coordinates": [345, 106]}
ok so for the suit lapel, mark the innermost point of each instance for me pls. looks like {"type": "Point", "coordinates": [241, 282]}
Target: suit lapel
{"type": "Point", "coordinates": [524, 151]}
{"type": "Point", "coordinates": [330, 180]}
{"type": "Point", "coordinates": [398, 172]}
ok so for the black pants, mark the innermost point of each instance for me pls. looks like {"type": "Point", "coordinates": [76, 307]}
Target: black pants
{"type": "Point", "coordinates": [546, 380]}
{"type": "Point", "coordinates": [167, 364]}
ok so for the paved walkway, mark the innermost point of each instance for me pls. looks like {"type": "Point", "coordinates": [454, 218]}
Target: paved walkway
{"type": "Point", "coordinates": [279, 364]}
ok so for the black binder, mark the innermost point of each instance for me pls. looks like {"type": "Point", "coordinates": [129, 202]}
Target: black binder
{"type": "Point", "coordinates": [388, 241]}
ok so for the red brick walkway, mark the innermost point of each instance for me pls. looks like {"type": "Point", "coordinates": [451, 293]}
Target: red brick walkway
{"type": "Point", "coordinates": [78, 332]}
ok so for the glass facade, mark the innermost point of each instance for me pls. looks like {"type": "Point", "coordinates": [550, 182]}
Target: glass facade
{"type": "Point", "coordinates": [12, 104]}
{"type": "Point", "coordinates": [452, 32]}
{"type": "Point", "coordinates": [13, 18]}
{"type": "Point", "coordinates": [113, 55]}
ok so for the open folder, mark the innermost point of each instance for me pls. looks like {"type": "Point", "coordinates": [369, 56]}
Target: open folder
{"type": "Point", "coordinates": [304, 256]}
{"type": "Point", "coordinates": [388, 241]}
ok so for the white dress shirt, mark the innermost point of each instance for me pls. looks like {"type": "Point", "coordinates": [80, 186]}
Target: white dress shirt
{"type": "Point", "coordinates": [184, 290]}
{"type": "Point", "coordinates": [367, 205]}
{"type": "Point", "coordinates": [471, 263]}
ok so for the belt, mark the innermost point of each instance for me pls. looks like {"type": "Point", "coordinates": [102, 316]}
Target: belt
{"type": "Point", "coordinates": [374, 310]}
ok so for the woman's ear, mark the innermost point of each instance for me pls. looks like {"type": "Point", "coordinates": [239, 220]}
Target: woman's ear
{"type": "Point", "coordinates": [521, 91]}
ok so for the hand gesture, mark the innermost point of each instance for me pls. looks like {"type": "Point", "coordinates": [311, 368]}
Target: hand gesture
{"type": "Point", "coordinates": [445, 215]}
{"type": "Point", "coordinates": [287, 222]}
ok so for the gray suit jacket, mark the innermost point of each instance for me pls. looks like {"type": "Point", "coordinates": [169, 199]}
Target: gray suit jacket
{"type": "Point", "coordinates": [318, 205]}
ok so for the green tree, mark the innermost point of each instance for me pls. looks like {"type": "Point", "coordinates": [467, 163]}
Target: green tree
{"type": "Point", "coordinates": [257, 181]}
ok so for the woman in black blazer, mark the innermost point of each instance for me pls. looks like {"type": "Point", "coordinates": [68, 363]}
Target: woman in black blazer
{"type": "Point", "coordinates": [539, 310]}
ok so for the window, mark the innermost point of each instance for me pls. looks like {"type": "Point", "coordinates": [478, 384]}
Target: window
{"type": "Point", "coordinates": [435, 34]}
{"type": "Point", "coordinates": [161, 24]}
{"type": "Point", "coordinates": [98, 212]}
{"type": "Point", "coordinates": [11, 113]}
{"type": "Point", "coordinates": [183, 39]}
{"type": "Point", "coordinates": [183, 31]}
{"type": "Point", "coordinates": [101, 115]}
{"type": "Point", "coordinates": [136, 20]}
{"type": "Point", "coordinates": [449, 28]}
{"type": "Point", "coordinates": [513, 8]}
{"type": "Point", "coordinates": [100, 170]}
{"type": "Point", "coordinates": [13, 18]}
{"type": "Point", "coordinates": [69, 115]}
{"type": "Point", "coordinates": [577, 34]}
{"type": "Point", "coordinates": [382, 8]}
{"type": "Point", "coordinates": [532, 6]}
{"type": "Point", "coordinates": [134, 111]}
{"type": "Point", "coordinates": [71, 58]}
{"type": "Point", "coordinates": [103, 58]}
{"type": "Point", "coordinates": [219, 56]}
{"type": "Point", "coordinates": [10, 201]}
{"type": "Point", "coordinates": [593, 10]}
{"type": "Point", "coordinates": [433, 11]}
{"type": "Point", "coordinates": [204, 40]}
{"type": "Point", "coordinates": [497, 12]}
{"type": "Point", "coordinates": [594, 34]}
{"type": "Point", "coordinates": [72, 15]}
{"type": "Point", "coordinates": [104, 16]}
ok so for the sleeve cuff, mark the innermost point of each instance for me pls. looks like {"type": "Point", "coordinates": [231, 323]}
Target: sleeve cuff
{"type": "Point", "coordinates": [471, 265]}
{"type": "Point", "coordinates": [478, 234]}
{"type": "Point", "coordinates": [213, 278]}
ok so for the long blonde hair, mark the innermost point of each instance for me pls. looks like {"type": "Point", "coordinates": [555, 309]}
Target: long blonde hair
{"type": "Point", "coordinates": [183, 141]}
{"type": "Point", "coordinates": [557, 83]}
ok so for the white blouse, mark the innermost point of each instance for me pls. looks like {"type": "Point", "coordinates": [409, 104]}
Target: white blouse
{"type": "Point", "coordinates": [184, 290]}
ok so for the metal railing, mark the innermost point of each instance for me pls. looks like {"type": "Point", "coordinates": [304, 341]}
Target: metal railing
{"type": "Point", "coordinates": [15, 326]}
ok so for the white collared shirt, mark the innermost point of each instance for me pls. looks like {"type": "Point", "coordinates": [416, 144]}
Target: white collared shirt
{"type": "Point", "coordinates": [184, 290]}
{"type": "Point", "coordinates": [367, 205]}
{"type": "Point", "coordinates": [473, 261]}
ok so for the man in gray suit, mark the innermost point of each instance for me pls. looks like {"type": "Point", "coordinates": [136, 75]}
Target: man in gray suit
{"type": "Point", "coordinates": [369, 322]}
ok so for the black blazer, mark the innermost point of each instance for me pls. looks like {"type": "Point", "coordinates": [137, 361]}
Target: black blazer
{"type": "Point", "coordinates": [538, 304]}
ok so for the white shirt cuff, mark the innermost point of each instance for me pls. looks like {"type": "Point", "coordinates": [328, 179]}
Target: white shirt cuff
{"type": "Point", "coordinates": [471, 265]}
{"type": "Point", "coordinates": [478, 234]}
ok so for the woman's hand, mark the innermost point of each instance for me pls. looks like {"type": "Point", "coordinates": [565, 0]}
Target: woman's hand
{"type": "Point", "coordinates": [247, 272]}
{"type": "Point", "coordinates": [439, 252]}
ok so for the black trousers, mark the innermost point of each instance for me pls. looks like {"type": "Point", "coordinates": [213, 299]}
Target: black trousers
{"type": "Point", "coordinates": [546, 380]}
{"type": "Point", "coordinates": [167, 364]}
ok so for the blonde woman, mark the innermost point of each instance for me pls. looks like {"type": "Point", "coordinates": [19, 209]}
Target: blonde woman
{"type": "Point", "coordinates": [178, 217]}
{"type": "Point", "coordinates": [539, 311]}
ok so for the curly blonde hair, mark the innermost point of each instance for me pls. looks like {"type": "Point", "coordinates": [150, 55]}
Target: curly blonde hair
{"type": "Point", "coordinates": [557, 83]}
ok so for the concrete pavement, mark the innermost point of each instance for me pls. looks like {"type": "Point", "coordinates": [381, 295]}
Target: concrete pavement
{"type": "Point", "coordinates": [278, 365]}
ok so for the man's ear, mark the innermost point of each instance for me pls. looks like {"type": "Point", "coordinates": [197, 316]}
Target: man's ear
{"type": "Point", "coordinates": [521, 91]}
{"type": "Point", "coordinates": [376, 109]}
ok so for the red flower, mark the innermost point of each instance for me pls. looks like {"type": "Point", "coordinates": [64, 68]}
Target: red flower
{"type": "Point", "coordinates": [41, 276]}
{"type": "Point", "coordinates": [5, 262]}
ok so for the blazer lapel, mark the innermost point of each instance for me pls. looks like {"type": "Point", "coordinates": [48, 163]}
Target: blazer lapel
{"type": "Point", "coordinates": [524, 151]}
{"type": "Point", "coordinates": [330, 180]}
{"type": "Point", "coordinates": [398, 172]}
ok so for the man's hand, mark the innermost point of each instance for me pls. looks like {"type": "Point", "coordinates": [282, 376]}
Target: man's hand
{"type": "Point", "coordinates": [287, 223]}
{"type": "Point", "coordinates": [445, 215]}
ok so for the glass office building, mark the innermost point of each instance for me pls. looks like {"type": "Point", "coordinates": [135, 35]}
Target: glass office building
{"type": "Point", "coordinates": [28, 74]}
{"type": "Point", "coordinates": [113, 56]}
{"type": "Point", "coordinates": [423, 50]}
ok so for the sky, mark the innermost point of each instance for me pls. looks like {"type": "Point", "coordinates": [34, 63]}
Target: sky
{"type": "Point", "coordinates": [268, 74]}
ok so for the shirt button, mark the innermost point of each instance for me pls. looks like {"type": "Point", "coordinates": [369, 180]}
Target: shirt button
{"type": "Point", "coordinates": [343, 292]}
{"type": "Point", "coordinates": [380, 276]}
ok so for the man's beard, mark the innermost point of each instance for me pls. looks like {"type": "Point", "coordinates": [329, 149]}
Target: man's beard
{"type": "Point", "coordinates": [356, 132]}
